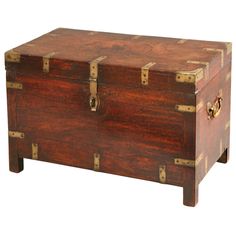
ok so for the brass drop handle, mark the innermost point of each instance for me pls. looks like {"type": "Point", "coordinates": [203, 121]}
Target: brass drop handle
{"type": "Point", "coordinates": [213, 110]}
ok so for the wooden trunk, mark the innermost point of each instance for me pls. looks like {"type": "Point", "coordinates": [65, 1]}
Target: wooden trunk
{"type": "Point", "coordinates": [145, 107]}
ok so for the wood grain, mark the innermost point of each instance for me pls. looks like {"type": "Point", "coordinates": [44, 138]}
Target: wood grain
{"type": "Point", "coordinates": [136, 129]}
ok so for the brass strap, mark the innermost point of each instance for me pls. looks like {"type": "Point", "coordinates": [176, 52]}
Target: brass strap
{"type": "Point", "coordinates": [96, 157]}
{"type": "Point", "coordinates": [162, 173]}
{"type": "Point", "coordinates": [217, 50]}
{"type": "Point", "coordinates": [34, 151]}
{"type": "Point", "coordinates": [46, 61]}
{"type": "Point", "coordinates": [205, 63]}
{"type": "Point", "coordinates": [145, 72]}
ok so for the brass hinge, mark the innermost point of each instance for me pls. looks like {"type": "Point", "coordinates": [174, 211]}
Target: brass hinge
{"type": "Point", "coordinates": [228, 48]}
{"type": "Point", "coordinates": [12, 56]}
{"type": "Point", "coordinates": [16, 134]}
{"type": "Point", "coordinates": [189, 76]}
{"type": "Point", "coordinates": [14, 85]}
{"type": "Point", "coordinates": [34, 151]}
{"type": "Point", "coordinates": [205, 63]}
{"type": "Point", "coordinates": [185, 108]}
{"type": "Point", "coordinates": [189, 163]}
{"type": "Point", "coordinates": [46, 61]}
{"type": "Point", "coordinates": [162, 173]}
{"type": "Point", "coordinates": [94, 100]}
{"type": "Point", "coordinates": [217, 50]}
{"type": "Point", "coordinates": [96, 157]}
{"type": "Point", "coordinates": [145, 72]}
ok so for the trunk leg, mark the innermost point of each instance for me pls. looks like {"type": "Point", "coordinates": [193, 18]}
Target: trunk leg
{"type": "Point", "coordinates": [190, 194]}
{"type": "Point", "coordinates": [16, 164]}
{"type": "Point", "coordinates": [224, 157]}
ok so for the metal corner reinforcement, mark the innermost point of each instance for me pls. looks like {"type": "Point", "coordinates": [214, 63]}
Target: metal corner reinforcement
{"type": "Point", "coordinates": [16, 134]}
{"type": "Point", "coordinates": [12, 56]}
{"type": "Point", "coordinates": [189, 76]}
{"type": "Point", "coordinates": [46, 60]}
{"type": "Point", "coordinates": [145, 72]}
{"type": "Point", "coordinates": [189, 163]}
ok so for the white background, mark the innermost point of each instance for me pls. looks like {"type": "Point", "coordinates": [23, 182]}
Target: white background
{"type": "Point", "coordinates": [49, 199]}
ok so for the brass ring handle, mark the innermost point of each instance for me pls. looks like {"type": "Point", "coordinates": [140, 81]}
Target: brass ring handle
{"type": "Point", "coordinates": [213, 110]}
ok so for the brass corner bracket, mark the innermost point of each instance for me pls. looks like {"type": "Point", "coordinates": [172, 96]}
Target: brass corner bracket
{"type": "Point", "coordinates": [189, 163]}
{"type": "Point", "coordinates": [145, 72]}
{"type": "Point", "coordinates": [189, 76]}
{"type": "Point", "coordinates": [228, 48]}
{"type": "Point", "coordinates": [46, 61]}
{"type": "Point", "coordinates": [16, 134]}
{"type": "Point", "coordinates": [12, 56]}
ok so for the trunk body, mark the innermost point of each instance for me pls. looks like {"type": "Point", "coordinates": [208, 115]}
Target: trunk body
{"type": "Point", "coordinates": [137, 106]}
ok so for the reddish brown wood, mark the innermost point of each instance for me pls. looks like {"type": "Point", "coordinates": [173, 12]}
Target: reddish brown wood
{"type": "Point", "coordinates": [15, 162]}
{"type": "Point", "coordinates": [136, 128]}
{"type": "Point", "coordinates": [190, 193]}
